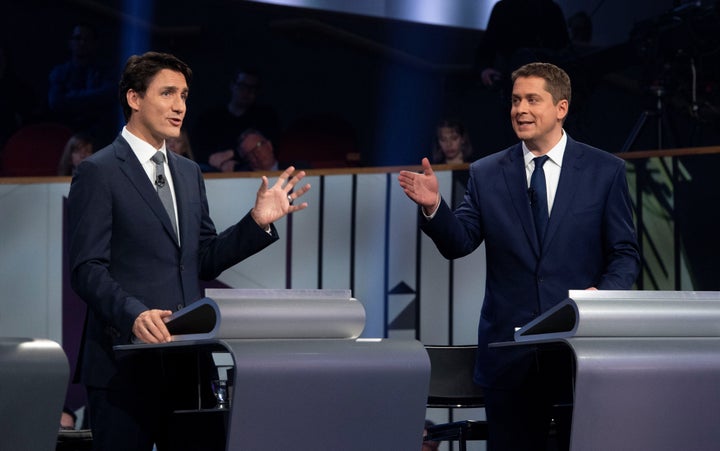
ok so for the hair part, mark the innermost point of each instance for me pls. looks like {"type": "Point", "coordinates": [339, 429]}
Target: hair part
{"type": "Point", "coordinates": [141, 69]}
{"type": "Point", "coordinates": [557, 81]}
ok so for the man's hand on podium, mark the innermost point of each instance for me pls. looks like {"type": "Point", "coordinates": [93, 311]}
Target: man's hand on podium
{"type": "Point", "coordinates": [149, 326]}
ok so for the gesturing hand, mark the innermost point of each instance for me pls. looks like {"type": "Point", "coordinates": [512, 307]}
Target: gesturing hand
{"type": "Point", "coordinates": [422, 188]}
{"type": "Point", "coordinates": [272, 203]}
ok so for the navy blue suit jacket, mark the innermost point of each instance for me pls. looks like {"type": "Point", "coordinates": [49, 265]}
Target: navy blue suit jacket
{"type": "Point", "coordinates": [125, 258]}
{"type": "Point", "coordinates": [590, 242]}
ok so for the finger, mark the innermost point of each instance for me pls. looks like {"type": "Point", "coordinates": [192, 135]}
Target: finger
{"type": "Point", "coordinates": [297, 207]}
{"type": "Point", "coordinates": [427, 169]}
{"type": "Point", "coordinates": [294, 181]}
{"type": "Point", "coordinates": [286, 174]}
{"type": "Point", "coordinates": [300, 191]}
{"type": "Point", "coordinates": [263, 184]}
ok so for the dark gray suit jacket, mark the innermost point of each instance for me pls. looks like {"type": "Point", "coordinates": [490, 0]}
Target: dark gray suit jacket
{"type": "Point", "coordinates": [590, 242]}
{"type": "Point", "coordinates": [124, 256]}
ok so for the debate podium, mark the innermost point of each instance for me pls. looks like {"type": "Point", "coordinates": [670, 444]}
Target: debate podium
{"type": "Point", "coordinates": [647, 367]}
{"type": "Point", "coordinates": [33, 380]}
{"type": "Point", "coordinates": [302, 378]}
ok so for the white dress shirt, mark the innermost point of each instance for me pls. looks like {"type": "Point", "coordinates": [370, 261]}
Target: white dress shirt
{"type": "Point", "coordinates": [551, 168]}
{"type": "Point", "coordinates": [144, 151]}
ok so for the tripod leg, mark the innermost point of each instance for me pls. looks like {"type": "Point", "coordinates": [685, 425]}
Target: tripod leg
{"type": "Point", "coordinates": [635, 131]}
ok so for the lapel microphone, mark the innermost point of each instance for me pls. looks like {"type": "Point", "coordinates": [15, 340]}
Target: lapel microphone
{"type": "Point", "coordinates": [160, 180]}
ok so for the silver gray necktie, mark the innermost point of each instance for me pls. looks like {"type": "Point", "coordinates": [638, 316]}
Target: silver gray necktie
{"type": "Point", "coordinates": [163, 188]}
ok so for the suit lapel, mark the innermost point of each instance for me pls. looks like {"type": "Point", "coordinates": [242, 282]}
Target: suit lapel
{"type": "Point", "coordinates": [133, 170]}
{"type": "Point", "coordinates": [516, 181]}
{"type": "Point", "coordinates": [569, 177]}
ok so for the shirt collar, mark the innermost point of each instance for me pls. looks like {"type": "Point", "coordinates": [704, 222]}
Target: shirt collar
{"type": "Point", "coordinates": [555, 154]}
{"type": "Point", "coordinates": [143, 150]}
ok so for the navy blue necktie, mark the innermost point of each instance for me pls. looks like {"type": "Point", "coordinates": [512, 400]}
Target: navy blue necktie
{"type": "Point", "coordinates": [538, 197]}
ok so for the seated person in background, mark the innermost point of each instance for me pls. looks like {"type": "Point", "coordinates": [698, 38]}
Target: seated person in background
{"type": "Point", "coordinates": [78, 147]}
{"type": "Point", "coordinates": [82, 93]}
{"type": "Point", "coordinates": [452, 144]}
{"type": "Point", "coordinates": [216, 130]}
{"type": "Point", "coordinates": [519, 32]}
{"type": "Point", "coordinates": [254, 153]}
{"type": "Point", "coordinates": [257, 152]}
{"type": "Point", "coordinates": [180, 145]}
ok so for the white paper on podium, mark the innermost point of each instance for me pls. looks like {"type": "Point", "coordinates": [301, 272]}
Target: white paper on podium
{"type": "Point", "coordinates": [269, 314]}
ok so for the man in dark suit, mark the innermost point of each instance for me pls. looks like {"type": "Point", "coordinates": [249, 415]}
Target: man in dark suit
{"type": "Point", "coordinates": [589, 242]}
{"type": "Point", "coordinates": [134, 261]}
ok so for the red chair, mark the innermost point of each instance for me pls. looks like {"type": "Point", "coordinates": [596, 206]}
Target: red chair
{"type": "Point", "coordinates": [322, 140]}
{"type": "Point", "coordinates": [34, 150]}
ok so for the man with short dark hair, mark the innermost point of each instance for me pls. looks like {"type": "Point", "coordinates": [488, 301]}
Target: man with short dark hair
{"type": "Point", "coordinates": [141, 238]}
{"type": "Point", "coordinates": [566, 226]}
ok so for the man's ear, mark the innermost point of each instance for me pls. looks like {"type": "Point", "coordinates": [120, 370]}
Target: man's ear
{"type": "Point", "coordinates": [562, 109]}
{"type": "Point", "coordinates": [133, 99]}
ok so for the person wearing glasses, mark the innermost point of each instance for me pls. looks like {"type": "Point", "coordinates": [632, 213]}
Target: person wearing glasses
{"type": "Point", "coordinates": [214, 134]}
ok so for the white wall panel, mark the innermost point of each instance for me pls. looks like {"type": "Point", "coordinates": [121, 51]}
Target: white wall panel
{"type": "Point", "coordinates": [337, 227]}
{"type": "Point", "coordinates": [229, 200]}
{"type": "Point", "coordinates": [304, 257]}
{"type": "Point", "coordinates": [435, 283]}
{"type": "Point", "coordinates": [370, 250]}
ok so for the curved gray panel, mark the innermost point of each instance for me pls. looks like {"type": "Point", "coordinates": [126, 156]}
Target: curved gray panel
{"type": "Point", "coordinates": [270, 314]}
{"type": "Point", "coordinates": [33, 380]}
{"type": "Point", "coordinates": [628, 314]}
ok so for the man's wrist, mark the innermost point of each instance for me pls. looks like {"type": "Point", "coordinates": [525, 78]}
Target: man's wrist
{"type": "Point", "coordinates": [265, 227]}
{"type": "Point", "coordinates": [431, 213]}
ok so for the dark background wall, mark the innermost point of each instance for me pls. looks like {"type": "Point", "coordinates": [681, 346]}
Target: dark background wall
{"type": "Point", "coordinates": [391, 80]}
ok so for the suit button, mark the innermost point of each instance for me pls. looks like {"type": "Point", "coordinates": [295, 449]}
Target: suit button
{"type": "Point", "coordinates": [179, 306]}
{"type": "Point", "coordinates": [182, 267]}
{"type": "Point", "coordinates": [540, 279]}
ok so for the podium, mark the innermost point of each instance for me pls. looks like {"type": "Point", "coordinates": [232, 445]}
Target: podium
{"type": "Point", "coordinates": [33, 380]}
{"type": "Point", "coordinates": [647, 373]}
{"type": "Point", "coordinates": [302, 378]}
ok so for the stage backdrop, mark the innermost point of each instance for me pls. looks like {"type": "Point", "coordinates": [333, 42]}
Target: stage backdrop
{"type": "Point", "coordinates": [359, 232]}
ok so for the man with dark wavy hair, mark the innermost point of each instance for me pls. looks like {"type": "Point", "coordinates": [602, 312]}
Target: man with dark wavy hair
{"type": "Point", "coordinates": [138, 254]}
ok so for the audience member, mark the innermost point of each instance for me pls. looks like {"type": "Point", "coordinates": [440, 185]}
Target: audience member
{"type": "Point", "coordinates": [257, 152]}
{"type": "Point", "coordinates": [452, 146]}
{"type": "Point", "coordinates": [452, 143]}
{"type": "Point", "coordinates": [520, 32]}
{"type": "Point", "coordinates": [78, 147]}
{"type": "Point", "coordinates": [180, 145]}
{"type": "Point", "coordinates": [217, 130]}
{"type": "Point", "coordinates": [82, 93]}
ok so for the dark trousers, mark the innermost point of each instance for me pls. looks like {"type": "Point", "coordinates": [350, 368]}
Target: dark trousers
{"type": "Point", "coordinates": [142, 410]}
{"type": "Point", "coordinates": [536, 415]}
